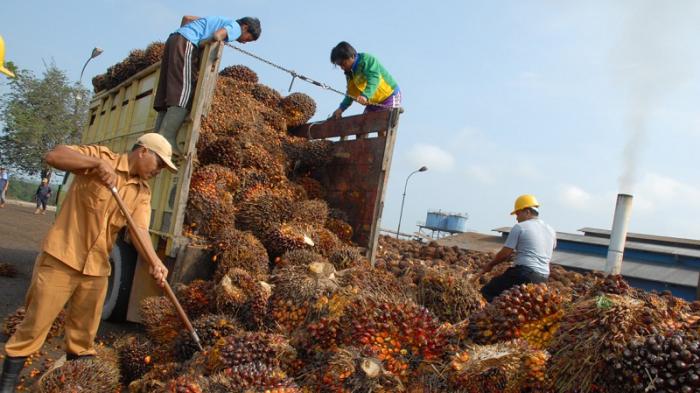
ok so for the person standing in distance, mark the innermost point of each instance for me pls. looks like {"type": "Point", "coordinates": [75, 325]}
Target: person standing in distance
{"type": "Point", "coordinates": [180, 65]}
{"type": "Point", "coordinates": [533, 242]}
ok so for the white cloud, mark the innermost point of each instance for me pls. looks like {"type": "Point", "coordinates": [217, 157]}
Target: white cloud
{"type": "Point", "coordinates": [481, 174]}
{"type": "Point", "coordinates": [575, 197]}
{"type": "Point", "coordinates": [431, 156]}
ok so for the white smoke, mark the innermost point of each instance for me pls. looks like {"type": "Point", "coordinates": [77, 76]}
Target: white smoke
{"type": "Point", "coordinates": [649, 62]}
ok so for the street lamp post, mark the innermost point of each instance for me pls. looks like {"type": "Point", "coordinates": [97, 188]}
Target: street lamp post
{"type": "Point", "coordinates": [403, 199]}
{"type": "Point", "coordinates": [95, 52]}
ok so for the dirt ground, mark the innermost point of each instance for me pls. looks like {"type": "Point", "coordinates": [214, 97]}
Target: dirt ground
{"type": "Point", "coordinates": [21, 233]}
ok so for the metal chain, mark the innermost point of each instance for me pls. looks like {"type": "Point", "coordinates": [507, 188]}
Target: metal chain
{"type": "Point", "coordinates": [296, 75]}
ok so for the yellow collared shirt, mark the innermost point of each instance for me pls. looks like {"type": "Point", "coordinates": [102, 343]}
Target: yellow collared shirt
{"type": "Point", "coordinates": [89, 220]}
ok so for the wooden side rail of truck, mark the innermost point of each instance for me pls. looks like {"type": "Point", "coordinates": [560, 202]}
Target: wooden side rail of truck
{"type": "Point", "coordinates": [355, 179]}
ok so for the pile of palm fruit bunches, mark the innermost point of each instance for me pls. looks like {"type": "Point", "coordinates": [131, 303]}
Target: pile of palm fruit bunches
{"type": "Point", "coordinates": [293, 306]}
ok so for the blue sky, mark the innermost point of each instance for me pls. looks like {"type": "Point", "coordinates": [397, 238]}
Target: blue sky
{"type": "Point", "coordinates": [501, 97]}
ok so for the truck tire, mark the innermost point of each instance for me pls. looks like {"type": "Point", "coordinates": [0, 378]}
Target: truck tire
{"type": "Point", "coordinates": [123, 261]}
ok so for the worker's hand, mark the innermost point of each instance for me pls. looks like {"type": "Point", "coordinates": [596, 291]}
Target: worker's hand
{"type": "Point", "coordinates": [106, 174]}
{"type": "Point", "coordinates": [159, 272]}
{"type": "Point", "coordinates": [362, 100]}
{"type": "Point", "coordinates": [337, 114]}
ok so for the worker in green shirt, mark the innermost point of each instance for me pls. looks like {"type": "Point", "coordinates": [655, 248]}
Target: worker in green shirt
{"type": "Point", "coordinates": [368, 81]}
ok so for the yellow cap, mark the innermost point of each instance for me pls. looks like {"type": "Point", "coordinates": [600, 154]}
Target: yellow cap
{"type": "Point", "coordinates": [525, 201]}
{"type": "Point", "coordinates": [159, 145]}
{"type": "Point", "coordinates": [2, 60]}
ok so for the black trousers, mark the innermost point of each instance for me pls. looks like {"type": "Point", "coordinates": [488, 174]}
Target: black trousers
{"type": "Point", "coordinates": [178, 73]}
{"type": "Point", "coordinates": [515, 275]}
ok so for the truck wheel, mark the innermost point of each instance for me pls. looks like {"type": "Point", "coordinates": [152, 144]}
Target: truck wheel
{"type": "Point", "coordinates": [123, 261]}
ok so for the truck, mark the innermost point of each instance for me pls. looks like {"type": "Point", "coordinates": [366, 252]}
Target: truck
{"type": "Point", "coordinates": [355, 179]}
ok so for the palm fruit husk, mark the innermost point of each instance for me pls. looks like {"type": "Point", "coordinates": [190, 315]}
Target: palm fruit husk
{"type": "Point", "coordinates": [266, 95]}
{"type": "Point", "coordinates": [528, 311]}
{"type": "Point", "coordinates": [593, 330]}
{"type": "Point", "coordinates": [508, 367]}
{"type": "Point", "coordinates": [310, 211]}
{"type": "Point", "coordinates": [252, 378]}
{"type": "Point", "coordinates": [300, 295]}
{"type": "Point", "coordinates": [266, 209]}
{"type": "Point", "coordinates": [156, 379]}
{"type": "Point", "coordinates": [160, 319]}
{"type": "Point", "coordinates": [197, 297]}
{"type": "Point", "coordinates": [241, 296]}
{"type": "Point", "coordinates": [340, 228]}
{"type": "Point", "coordinates": [345, 257]}
{"type": "Point", "coordinates": [286, 237]}
{"type": "Point", "coordinates": [313, 187]}
{"type": "Point", "coordinates": [657, 363]}
{"type": "Point", "coordinates": [298, 109]}
{"type": "Point", "coordinates": [299, 258]}
{"type": "Point", "coordinates": [99, 374]}
{"type": "Point", "coordinates": [249, 347]}
{"type": "Point", "coordinates": [13, 320]}
{"type": "Point", "coordinates": [351, 369]}
{"type": "Point", "coordinates": [450, 296]}
{"type": "Point", "coordinates": [154, 52]}
{"type": "Point", "coordinates": [8, 270]}
{"type": "Point", "coordinates": [240, 249]}
{"type": "Point", "coordinates": [136, 357]}
{"type": "Point", "coordinates": [240, 72]}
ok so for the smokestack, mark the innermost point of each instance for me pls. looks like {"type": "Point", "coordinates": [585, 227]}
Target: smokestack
{"type": "Point", "coordinates": [618, 235]}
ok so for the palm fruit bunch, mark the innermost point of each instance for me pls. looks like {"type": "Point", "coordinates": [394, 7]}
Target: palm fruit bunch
{"type": "Point", "coordinates": [340, 228]}
{"type": "Point", "coordinates": [210, 209]}
{"type": "Point", "coordinates": [252, 378]}
{"type": "Point", "coordinates": [238, 249]}
{"type": "Point", "coordinates": [311, 211]}
{"type": "Point", "coordinates": [297, 109]}
{"type": "Point", "coordinates": [99, 374]}
{"type": "Point", "coordinates": [240, 72]}
{"type": "Point", "coordinates": [214, 182]}
{"type": "Point", "coordinates": [9, 325]}
{"type": "Point", "coordinates": [508, 367]}
{"type": "Point", "coordinates": [345, 257]}
{"type": "Point", "coordinates": [564, 280]}
{"type": "Point", "coordinates": [273, 119]}
{"type": "Point", "coordinates": [299, 258]}
{"type": "Point", "coordinates": [230, 105]}
{"type": "Point", "coordinates": [258, 157]}
{"type": "Point", "coordinates": [210, 328]}
{"type": "Point", "coordinates": [401, 335]}
{"type": "Point", "coordinates": [301, 294]}
{"type": "Point", "coordinates": [449, 296]}
{"type": "Point", "coordinates": [135, 62]}
{"type": "Point", "coordinates": [154, 52]}
{"type": "Point", "coordinates": [100, 82]}
{"type": "Point", "coordinates": [226, 151]}
{"type": "Point", "coordinates": [249, 347]}
{"type": "Point", "coordinates": [286, 237]}
{"type": "Point", "coordinates": [136, 357]}
{"type": "Point", "coordinates": [313, 187]}
{"type": "Point", "coordinates": [592, 331]}
{"type": "Point", "coordinates": [241, 296]}
{"type": "Point", "coordinates": [187, 383]}
{"type": "Point", "coordinates": [600, 284]}
{"type": "Point", "coordinates": [160, 319]}
{"type": "Point", "coordinates": [197, 297]}
{"type": "Point", "coordinates": [657, 363]}
{"type": "Point", "coordinates": [266, 95]}
{"type": "Point", "coordinates": [306, 155]}
{"type": "Point", "coordinates": [266, 209]}
{"type": "Point", "coordinates": [157, 378]}
{"type": "Point", "coordinates": [349, 370]}
{"type": "Point", "coordinates": [375, 283]}
{"type": "Point", "coordinates": [8, 270]}
{"type": "Point", "coordinates": [528, 311]}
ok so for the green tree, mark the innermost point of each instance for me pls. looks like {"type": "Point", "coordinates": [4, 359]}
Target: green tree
{"type": "Point", "coordinates": [38, 114]}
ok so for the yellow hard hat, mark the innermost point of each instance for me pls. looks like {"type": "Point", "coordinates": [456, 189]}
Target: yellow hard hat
{"type": "Point", "coordinates": [525, 201]}
{"type": "Point", "coordinates": [2, 60]}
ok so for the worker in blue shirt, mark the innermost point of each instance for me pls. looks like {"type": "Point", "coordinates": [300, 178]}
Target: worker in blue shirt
{"type": "Point", "coordinates": [180, 64]}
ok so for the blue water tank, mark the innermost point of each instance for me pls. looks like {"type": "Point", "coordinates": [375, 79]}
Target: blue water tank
{"type": "Point", "coordinates": [436, 220]}
{"type": "Point", "coordinates": [456, 223]}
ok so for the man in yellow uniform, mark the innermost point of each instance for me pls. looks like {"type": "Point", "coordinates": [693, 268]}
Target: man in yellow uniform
{"type": "Point", "coordinates": [73, 265]}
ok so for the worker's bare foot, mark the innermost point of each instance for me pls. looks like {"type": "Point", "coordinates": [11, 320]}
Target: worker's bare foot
{"type": "Point", "coordinates": [37, 211]}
